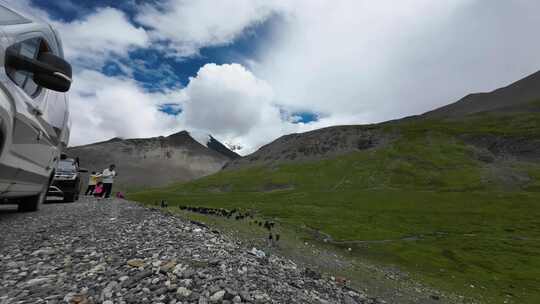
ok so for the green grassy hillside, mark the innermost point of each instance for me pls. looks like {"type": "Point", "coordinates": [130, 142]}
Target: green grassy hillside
{"type": "Point", "coordinates": [454, 214]}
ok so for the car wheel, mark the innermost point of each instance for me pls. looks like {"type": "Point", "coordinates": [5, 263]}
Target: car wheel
{"type": "Point", "coordinates": [32, 203]}
{"type": "Point", "coordinates": [69, 197]}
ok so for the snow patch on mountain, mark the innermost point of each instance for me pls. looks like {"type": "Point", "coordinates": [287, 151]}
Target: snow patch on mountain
{"type": "Point", "coordinates": [201, 137]}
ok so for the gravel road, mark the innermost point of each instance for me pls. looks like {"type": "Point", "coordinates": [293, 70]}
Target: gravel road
{"type": "Point", "coordinates": [116, 251]}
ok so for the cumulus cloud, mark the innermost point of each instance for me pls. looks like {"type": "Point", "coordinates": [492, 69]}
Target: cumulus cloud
{"type": "Point", "coordinates": [187, 26]}
{"type": "Point", "coordinates": [382, 60]}
{"type": "Point", "coordinates": [103, 107]}
{"type": "Point", "coordinates": [226, 99]}
{"type": "Point", "coordinates": [106, 32]}
{"type": "Point", "coordinates": [231, 103]}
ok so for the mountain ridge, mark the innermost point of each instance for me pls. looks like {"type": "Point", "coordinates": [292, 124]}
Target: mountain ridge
{"type": "Point", "coordinates": [338, 140]}
{"type": "Point", "coordinates": [155, 161]}
{"type": "Point", "coordinates": [514, 96]}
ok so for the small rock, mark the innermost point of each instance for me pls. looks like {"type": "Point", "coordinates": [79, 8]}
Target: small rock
{"type": "Point", "coordinates": [217, 296]}
{"type": "Point", "coordinates": [136, 263]}
{"type": "Point", "coordinates": [183, 292]}
{"type": "Point", "coordinates": [37, 281]}
{"type": "Point", "coordinates": [44, 251]}
{"type": "Point", "coordinates": [12, 265]}
{"type": "Point", "coordinates": [123, 278]}
{"type": "Point", "coordinates": [203, 300]}
{"type": "Point", "coordinates": [167, 267]}
{"type": "Point", "coordinates": [349, 300]}
{"type": "Point", "coordinates": [258, 253]}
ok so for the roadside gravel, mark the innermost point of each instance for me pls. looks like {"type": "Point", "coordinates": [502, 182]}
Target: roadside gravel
{"type": "Point", "coordinates": [116, 251]}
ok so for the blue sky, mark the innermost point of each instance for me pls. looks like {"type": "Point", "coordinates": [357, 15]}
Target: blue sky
{"type": "Point", "coordinates": [170, 72]}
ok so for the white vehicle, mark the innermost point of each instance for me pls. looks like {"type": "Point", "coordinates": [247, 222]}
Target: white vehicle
{"type": "Point", "coordinates": [34, 116]}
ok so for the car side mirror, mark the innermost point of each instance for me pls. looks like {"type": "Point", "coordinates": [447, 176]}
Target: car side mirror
{"type": "Point", "coordinates": [50, 71]}
{"type": "Point", "coordinates": [83, 170]}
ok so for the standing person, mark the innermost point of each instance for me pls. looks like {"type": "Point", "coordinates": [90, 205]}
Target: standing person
{"type": "Point", "coordinates": [107, 177]}
{"type": "Point", "coordinates": [92, 182]}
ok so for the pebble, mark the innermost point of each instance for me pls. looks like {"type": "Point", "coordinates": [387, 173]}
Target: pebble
{"type": "Point", "coordinates": [217, 296]}
{"type": "Point", "coordinates": [184, 292]}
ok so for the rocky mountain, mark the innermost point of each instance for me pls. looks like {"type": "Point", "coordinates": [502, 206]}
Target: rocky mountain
{"type": "Point", "coordinates": [328, 142]}
{"type": "Point", "coordinates": [317, 144]}
{"type": "Point", "coordinates": [156, 161]}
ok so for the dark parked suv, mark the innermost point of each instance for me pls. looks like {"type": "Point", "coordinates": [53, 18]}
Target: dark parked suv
{"type": "Point", "coordinates": [67, 181]}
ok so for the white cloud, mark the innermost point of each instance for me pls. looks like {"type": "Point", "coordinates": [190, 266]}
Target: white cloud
{"type": "Point", "coordinates": [227, 99]}
{"type": "Point", "coordinates": [191, 25]}
{"type": "Point", "coordinates": [100, 35]}
{"type": "Point", "coordinates": [382, 60]}
{"type": "Point", "coordinates": [103, 107]}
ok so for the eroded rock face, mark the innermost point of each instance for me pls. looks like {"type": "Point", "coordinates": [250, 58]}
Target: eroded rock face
{"type": "Point", "coordinates": [519, 148]}
{"type": "Point", "coordinates": [119, 252]}
{"type": "Point", "coordinates": [318, 144]}
{"type": "Point", "coordinates": [157, 161]}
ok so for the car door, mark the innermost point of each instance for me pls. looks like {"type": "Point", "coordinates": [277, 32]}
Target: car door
{"type": "Point", "coordinates": [31, 141]}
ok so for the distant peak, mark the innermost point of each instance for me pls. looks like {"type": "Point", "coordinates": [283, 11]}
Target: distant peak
{"type": "Point", "coordinates": [114, 139]}
{"type": "Point", "coordinates": [181, 133]}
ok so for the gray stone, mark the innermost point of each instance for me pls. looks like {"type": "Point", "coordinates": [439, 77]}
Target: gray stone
{"type": "Point", "coordinates": [183, 292]}
{"type": "Point", "coordinates": [217, 296]}
{"type": "Point", "coordinates": [37, 281]}
{"type": "Point", "coordinates": [349, 300]}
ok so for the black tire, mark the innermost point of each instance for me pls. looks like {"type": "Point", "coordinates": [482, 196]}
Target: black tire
{"type": "Point", "coordinates": [32, 203]}
{"type": "Point", "coordinates": [69, 197]}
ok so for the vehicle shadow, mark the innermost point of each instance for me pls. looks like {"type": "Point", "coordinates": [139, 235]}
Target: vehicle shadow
{"type": "Point", "coordinates": [8, 212]}
{"type": "Point", "coordinates": [11, 210]}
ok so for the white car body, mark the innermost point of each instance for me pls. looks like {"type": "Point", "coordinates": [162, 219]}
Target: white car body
{"type": "Point", "coordinates": [34, 127]}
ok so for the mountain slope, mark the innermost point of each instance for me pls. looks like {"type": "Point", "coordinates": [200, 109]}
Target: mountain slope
{"type": "Point", "coordinates": [514, 97]}
{"type": "Point", "coordinates": [518, 97]}
{"type": "Point", "coordinates": [317, 144]}
{"type": "Point", "coordinates": [155, 161]}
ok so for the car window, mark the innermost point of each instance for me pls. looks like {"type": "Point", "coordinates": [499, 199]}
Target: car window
{"type": "Point", "coordinates": [8, 17]}
{"type": "Point", "coordinates": [66, 165]}
{"type": "Point", "coordinates": [28, 48]}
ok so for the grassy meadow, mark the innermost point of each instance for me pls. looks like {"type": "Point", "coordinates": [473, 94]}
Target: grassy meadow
{"type": "Point", "coordinates": [425, 203]}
